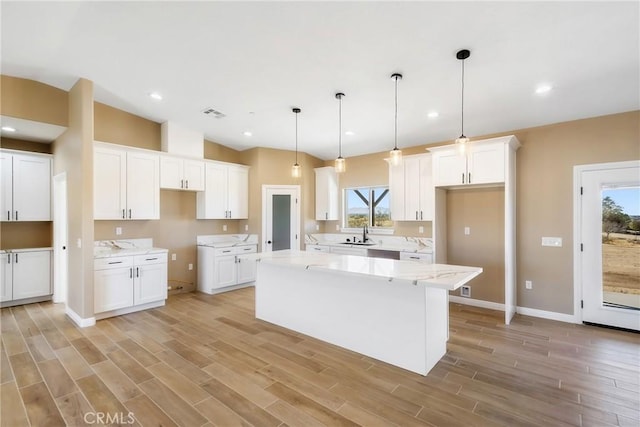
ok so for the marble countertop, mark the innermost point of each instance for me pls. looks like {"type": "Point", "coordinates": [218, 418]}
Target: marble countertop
{"type": "Point", "coordinates": [130, 247]}
{"type": "Point", "coordinates": [443, 276]}
{"type": "Point", "coordinates": [4, 251]}
{"type": "Point", "coordinates": [387, 243]}
{"type": "Point", "coordinates": [226, 240]}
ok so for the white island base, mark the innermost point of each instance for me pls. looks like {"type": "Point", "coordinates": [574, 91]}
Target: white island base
{"type": "Point", "coordinates": [371, 306]}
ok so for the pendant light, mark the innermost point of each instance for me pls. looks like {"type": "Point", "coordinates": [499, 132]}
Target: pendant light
{"type": "Point", "coordinates": [462, 139]}
{"type": "Point", "coordinates": [396, 154]}
{"type": "Point", "coordinates": [295, 170]}
{"type": "Point", "coordinates": [340, 162]}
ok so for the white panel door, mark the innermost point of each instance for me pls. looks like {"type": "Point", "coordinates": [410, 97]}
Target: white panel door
{"type": "Point", "coordinates": [411, 189]}
{"type": "Point", "coordinates": [6, 277]}
{"type": "Point", "coordinates": [31, 274]}
{"type": "Point", "coordinates": [450, 168]}
{"type": "Point", "coordinates": [31, 188]}
{"type": "Point", "coordinates": [109, 183]}
{"type": "Point", "coordinates": [171, 173]}
{"type": "Point", "coordinates": [6, 186]}
{"type": "Point", "coordinates": [143, 186]}
{"type": "Point", "coordinates": [238, 192]}
{"type": "Point", "coordinates": [112, 289]}
{"type": "Point", "coordinates": [150, 283]}
{"type": "Point", "coordinates": [212, 203]}
{"type": "Point", "coordinates": [225, 271]}
{"type": "Point", "coordinates": [194, 175]}
{"type": "Point", "coordinates": [486, 163]}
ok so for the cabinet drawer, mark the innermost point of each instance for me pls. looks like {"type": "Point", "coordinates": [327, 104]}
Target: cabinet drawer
{"type": "Point", "coordinates": [411, 256]}
{"type": "Point", "coordinates": [160, 258]}
{"type": "Point", "coordinates": [317, 248]}
{"type": "Point", "coordinates": [246, 249]}
{"type": "Point", "coordinates": [225, 251]}
{"type": "Point", "coordinates": [112, 262]}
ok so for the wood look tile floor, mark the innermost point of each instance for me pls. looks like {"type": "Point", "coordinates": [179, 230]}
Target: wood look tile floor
{"type": "Point", "coordinates": [206, 361]}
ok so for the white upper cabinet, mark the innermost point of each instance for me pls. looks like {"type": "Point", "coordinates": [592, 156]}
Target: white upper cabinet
{"type": "Point", "coordinates": [327, 195]}
{"type": "Point", "coordinates": [25, 186]}
{"type": "Point", "coordinates": [411, 188]}
{"type": "Point", "coordinates": [481, 163]}
{"type": "Point", "coordinates": [226, 193]}
{"type": "Point", "coordinates": [126, 184]}
{"type": "Point", "coordinates": [181, 174]}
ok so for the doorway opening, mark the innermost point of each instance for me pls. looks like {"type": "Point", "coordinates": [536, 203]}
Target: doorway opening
{"type": "Point", "coordinates": [280, 217]}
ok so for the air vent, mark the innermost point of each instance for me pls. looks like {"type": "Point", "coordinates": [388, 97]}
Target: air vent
{"type": "Point", "coordinates": [213, 113]}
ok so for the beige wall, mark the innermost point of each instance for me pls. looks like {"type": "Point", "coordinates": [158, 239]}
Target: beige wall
{"type": "Point", "coordinates": [73, 154]}
{"type": "Point", "coordinates": [119, 127]}
{"type": "Point", "coordinates": [273, 167]}
{"type": "Point", "coordinates": [18, 144]}
{"type": "Point", "coordinates": [31, 100]}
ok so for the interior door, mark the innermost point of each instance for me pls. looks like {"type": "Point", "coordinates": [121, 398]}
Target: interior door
{"type": "Point", "coordinates": [610, 246]}
{"type": "Point", "coordinates": [281, 218]}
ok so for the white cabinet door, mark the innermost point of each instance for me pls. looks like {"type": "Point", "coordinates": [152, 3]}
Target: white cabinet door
{"type": "Point", "coordinates": [348, 251]}
{"type": "Point", "coordinates": [486, 164]}
{"type": "Point", "coordinates": [171, 173]}
{"type": "Point", "coordinates": [212, 203]}
{"type": "Point", "coordinates": [246, 270]}
{"type": "Point", "coordinates": [326, 194]}
{"type": "Point", "coordinates": [6, 186]}
{"type": "Point", "coordinates": [225, 271]}
{"type": "Point", "coordinates": [238, 192]}
{"type": "Point", "coordinates": [396, 192]}
{"type": "Point", "coordinates": [6, 277]}
{"type": "Point", "coordinates": [150, 283]}
{"type": "Point", "coordinates": [109, 188]}
{"type": "Point", "coordinates": [450, 168]}
{"type": "Point", "coordinates": [193, 175]}
{"type": "Point", "coordinates": [112, 289]}
{"type": "Point", "coordinates": [31, 274]}
{"type": "Point", "coordinates": [31, 188]}
{"type": "Point", "coordinates": [143, 186]}
{"type": "Point", "coordinates": [412, 188]}
{"type": "Point", "coordinates": [427, 190]}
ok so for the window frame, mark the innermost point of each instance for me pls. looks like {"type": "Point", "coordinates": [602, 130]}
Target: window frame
{"type": "Point", "coordinates": [372, 228]}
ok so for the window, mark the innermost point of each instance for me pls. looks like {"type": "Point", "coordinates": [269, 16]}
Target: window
{"type": "Point", "coordinates": [367, 206]}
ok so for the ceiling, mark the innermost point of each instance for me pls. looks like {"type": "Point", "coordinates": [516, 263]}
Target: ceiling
{"type": "Point", "coordinates": [254, 61]}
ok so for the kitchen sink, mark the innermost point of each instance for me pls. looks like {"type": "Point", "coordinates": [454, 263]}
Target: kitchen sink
{"type": "Point", "coordinates": [358, 243]}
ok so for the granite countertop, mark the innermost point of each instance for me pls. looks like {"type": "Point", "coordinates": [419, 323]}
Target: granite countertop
{"type": "Point", "coordinates": [387, 243]}
{"type": "Point", "coordinates": [226, 240]}
{"type": "Point", "coordinates": [443, 276]}
{"type": "Point", "coordinates": [131, 247]}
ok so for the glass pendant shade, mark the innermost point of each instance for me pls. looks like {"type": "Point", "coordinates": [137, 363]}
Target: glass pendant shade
{"type": "Point", "coordinates": [395, 157]}
{"type": "Point", "coordinates": [341, 165]}
{"type": "Point", "coordinates": [296, 171]}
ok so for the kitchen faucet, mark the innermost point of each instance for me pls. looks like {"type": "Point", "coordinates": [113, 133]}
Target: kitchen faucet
{"type": "Point", "coordinates": [365, 231]}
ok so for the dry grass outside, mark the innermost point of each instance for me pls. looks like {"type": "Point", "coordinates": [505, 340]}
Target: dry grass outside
{"type": "Point", "coordinates": [621, 265]}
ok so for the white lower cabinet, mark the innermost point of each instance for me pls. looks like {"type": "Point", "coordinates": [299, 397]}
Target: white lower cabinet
{"type": "Point", "coordinates": [129, 281]}
{"type": "Point", "coordinates": [25, 274]}
{"type": "Point", "coordinates": [419, 257]}
{"type": "Point", "coordinates": [220, 268]}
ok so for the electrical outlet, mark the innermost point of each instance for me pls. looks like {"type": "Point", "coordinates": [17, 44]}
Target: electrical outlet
{"type": "Point", "coordinates": [337, 227]}
{"type": "Point", "coordinates": [421, 229]}
{"type": "Point", "coordinates": [246, 227]}
{"type": "Point", "coordinates": [528, 284]}
{"type": "Point", "coordinates": [467, 231]}
{"type": "Point", "coordinates": [317, 227]}
{"type": "Point", "coordinates": [465, 291]}
{"type": "Point", "coordinates": [174, 257]}
{"type": "Point", "coordinates": [190, 267]}
{"type": "Point", "coordinates": [224, 227]}
{"type": "Point", "coordinates": [555, 242]}
{"type": "Point", "coordinates": [79, 243]}
{"type": "Point", "coordinates": [118, 231]}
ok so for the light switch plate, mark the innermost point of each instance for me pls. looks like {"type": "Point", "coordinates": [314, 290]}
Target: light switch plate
{"type": "Point", "coordinates": [555, 242]}
{"type": "Point", "coordinates": [173, 257]}
{"type": "Point", "coordinates": [246, 227]}
{"type": "Point", "coordinates": [467, 231]}
{"type": "Point", "coordinates": [421, 229]}
{"type": "Point", "coordinates": [118, 231]}
{"type": "Point", "coordinates": [224, 227]}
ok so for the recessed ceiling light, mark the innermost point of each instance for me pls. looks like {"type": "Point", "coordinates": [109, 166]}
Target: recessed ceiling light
{"type": "Point", "coordinates": [433, 114]}
{"type": "Point", "coordinates": [247, 133]}
{"type": "Point", "coordinates": [156, 96]}
{"type": "Point", "coordinates": [349, 133]}
{"type": "Point", "coordinates": [543, 89]}
{"type": "Point", "coordinates": [8, 129]}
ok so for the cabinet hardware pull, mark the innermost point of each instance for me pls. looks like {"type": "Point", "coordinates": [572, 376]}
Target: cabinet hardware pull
{"type": "Point", "coordinates": [16, 258]}
{"type": "Point", "coordinates": [469, 180]}
{"type": "Point", "coordinates": [246, 249]}
{"type": "Point", "coordinates": [187, 184]}
{"type": "Point", "coordinates": [420, 214]}
{"type": "Point", "coordinates": [326, 215]}
{"type": "Point", "coordinates": [414, 257]}
{"type": "Point", "coordinates": [463, 177]}
{"type": "Point", "coordinates": [129, 213]}
{"type": "Point", "coordinates": [182, 183]}
{"type": "Point", "coordinates": [8, 258]}
{"type": "Point", "coordinates": [229, 214]}
{"type": "Point", "coordinates": [137, 272]}
{"type": "Point", "coordinates": [224, 252]}
{"type": "Point", "coordinates": [416, 215]}
{"type": "Point", "coordinates": [115, 262]}
{"type": "Point", "coordinates": [131, 273]}
{"type": "Point", "coordinates": [8, 215]}
{"type": "Point", "coordinates": [16, 215]}
{"type": "Point", "coordinates": [150, 259]}
{"type": "Point", "coordinates": [123, 216]}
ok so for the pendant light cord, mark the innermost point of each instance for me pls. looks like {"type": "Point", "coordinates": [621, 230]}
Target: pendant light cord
{"type": "Point", "coordinates": [340, 128]}
{"type": "Point", "coordinates": [395, 129]}
{"type": "Point", "coordinates": [462, 123]}
{"type": "Point", "coordinates": [296, 138]}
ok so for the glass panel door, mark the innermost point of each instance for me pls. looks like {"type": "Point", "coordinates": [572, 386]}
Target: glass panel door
{"type": "Point", "coordinates": [281, 222]}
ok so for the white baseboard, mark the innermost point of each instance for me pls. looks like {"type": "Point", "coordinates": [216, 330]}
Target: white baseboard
{"type": "Point", "coordinates": [78, 320]}
{"type": "Point", "coordinates": [551, 315]}
{"type": "Point", "coordinates": [525, 311]}
{"type": "Point", "coordinates": [477, 302]}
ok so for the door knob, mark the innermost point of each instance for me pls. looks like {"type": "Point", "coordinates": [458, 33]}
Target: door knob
{"type": "Point", "coordinates": [268, 242]}
{"type": "Point", "coordinates": [64, 248]}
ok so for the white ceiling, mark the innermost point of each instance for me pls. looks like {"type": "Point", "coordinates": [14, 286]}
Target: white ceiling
{"type": "Point", "coordinates": [253, 61]}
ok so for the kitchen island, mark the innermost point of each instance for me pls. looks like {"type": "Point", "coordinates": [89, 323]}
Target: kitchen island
{"type": "Point", "coordinates": [394, 311]}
